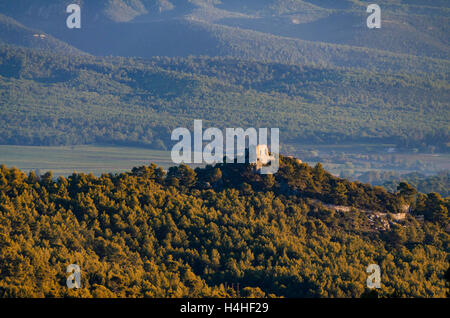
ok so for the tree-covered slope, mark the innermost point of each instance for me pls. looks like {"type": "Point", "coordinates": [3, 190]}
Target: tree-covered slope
{"type": "Point", "coordinates": [411, 28]}
{"type": "Point", "coordinates": [50, 99]}
{"type": "Point", "coordinates": [146, 234]}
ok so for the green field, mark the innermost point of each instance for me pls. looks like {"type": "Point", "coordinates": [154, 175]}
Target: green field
{"type": "Point", "coordinates": [98, 159]}
{"type": "Point", "coordinates": [86, 158]}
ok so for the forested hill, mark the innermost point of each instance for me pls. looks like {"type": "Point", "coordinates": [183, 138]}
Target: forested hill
{"type": "Point", "coordinates": [219, 231]}
{"type": "Point", "coordinates": [54, 99]}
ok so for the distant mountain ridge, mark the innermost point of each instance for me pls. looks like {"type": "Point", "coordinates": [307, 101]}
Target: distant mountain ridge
{"type": "Point", "coordinates": [13, 32]}
{"type": "Point", "coordinates": [263, 30]}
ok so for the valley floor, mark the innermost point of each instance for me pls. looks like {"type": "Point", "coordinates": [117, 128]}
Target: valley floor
{"type": "Point", "coordinates": [84, 158]}
{"type": "Point", "coordinates": [345, 160]}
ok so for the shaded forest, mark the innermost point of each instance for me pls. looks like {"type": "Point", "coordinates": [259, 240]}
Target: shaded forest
{"type": "Point", "coordinates": [51, 99]}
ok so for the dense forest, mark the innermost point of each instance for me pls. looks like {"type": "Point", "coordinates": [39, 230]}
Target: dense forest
{"type": "Point", "coordinates": [53, 99]}
{"type": "Point", "coordinates": [218, 231]}
{"type": "Point", "coordinates": [439, 183]}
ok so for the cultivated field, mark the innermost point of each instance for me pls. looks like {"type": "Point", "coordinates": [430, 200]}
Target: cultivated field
{"type": "Point", "coordinates": [87, 158]}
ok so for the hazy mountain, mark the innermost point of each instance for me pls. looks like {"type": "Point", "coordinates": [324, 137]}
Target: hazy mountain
{"type": "Point", "coordinates": [315, 31]}
{"type": "Point", "coordinates": [13, 32]}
